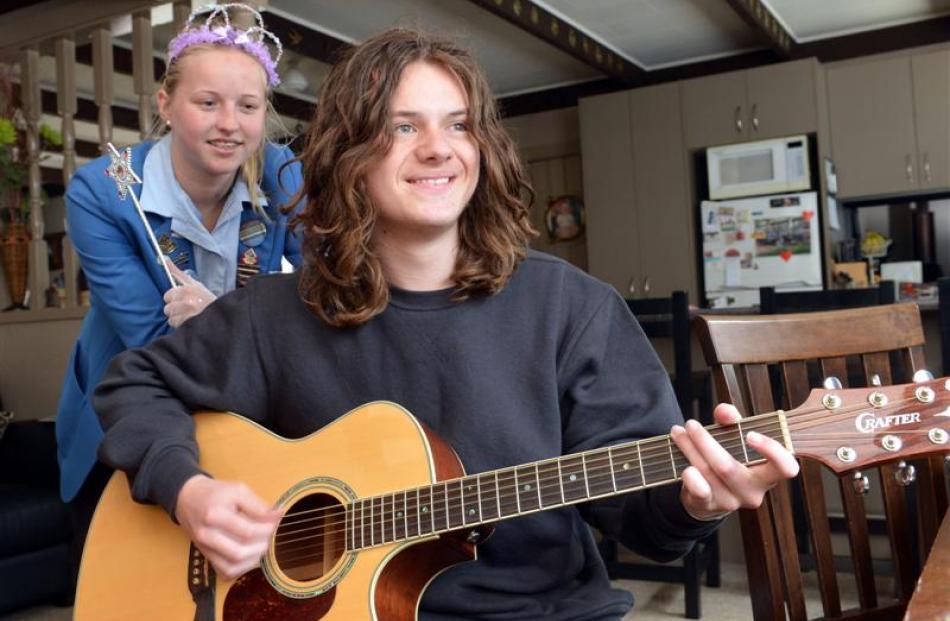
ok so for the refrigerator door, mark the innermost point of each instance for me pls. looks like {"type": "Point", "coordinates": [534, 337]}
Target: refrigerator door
{"type": "Point", "coordinates": [757, 242]}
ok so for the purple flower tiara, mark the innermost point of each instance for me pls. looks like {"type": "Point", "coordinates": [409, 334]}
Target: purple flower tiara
{"type": "Point", "coordinates": [251, 40]}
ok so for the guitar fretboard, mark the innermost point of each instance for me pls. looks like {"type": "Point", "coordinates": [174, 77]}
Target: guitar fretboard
{"type": "Point", "coordinates": [510, 492]}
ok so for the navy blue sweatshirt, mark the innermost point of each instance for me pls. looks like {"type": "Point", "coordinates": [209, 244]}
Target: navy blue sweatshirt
{"type": "Point", "coordinates": [553, 364]}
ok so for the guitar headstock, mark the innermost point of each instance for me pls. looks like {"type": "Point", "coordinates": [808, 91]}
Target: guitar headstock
{"type": "Point", "coordinates": [857, 427]}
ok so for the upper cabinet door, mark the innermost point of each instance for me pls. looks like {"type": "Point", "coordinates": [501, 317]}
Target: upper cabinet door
{"type": "Point", "coordinates": [714, 110]}
{"type": "Point", "coordinates": [613, 254]}
{"type": "Point", "coordinates": [931, 74]}
{"type": "Point", "coordinates": [661, 181]}
{"type": "Point", "coordinates": [871, 110]}
{"type": "Point", "coordinates": [782, 100]}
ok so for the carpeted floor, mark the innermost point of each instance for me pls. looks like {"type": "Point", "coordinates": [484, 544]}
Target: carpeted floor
{"type": "Point", "coordinates": [655, 601]}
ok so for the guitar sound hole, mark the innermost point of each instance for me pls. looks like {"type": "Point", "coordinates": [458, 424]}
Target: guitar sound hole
{"type": "Point", "coordinates": [311, 537]}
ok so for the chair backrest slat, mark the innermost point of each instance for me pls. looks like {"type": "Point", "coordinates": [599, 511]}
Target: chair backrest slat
{"type": "Point", "coordinates": [856, 517]}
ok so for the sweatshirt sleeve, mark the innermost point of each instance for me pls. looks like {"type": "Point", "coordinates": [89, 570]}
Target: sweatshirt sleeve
{"type": "Point", "coordinates": [146, 398]}
{"type": "Point", "coordinates": [614, 389]}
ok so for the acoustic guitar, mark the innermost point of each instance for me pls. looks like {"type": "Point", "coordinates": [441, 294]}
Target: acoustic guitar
{"type": "Point", "coordinates": [376, 505]}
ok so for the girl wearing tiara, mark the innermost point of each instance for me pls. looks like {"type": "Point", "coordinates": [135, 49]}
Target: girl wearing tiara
{"type": "Point", "coordinates": [211, 192]}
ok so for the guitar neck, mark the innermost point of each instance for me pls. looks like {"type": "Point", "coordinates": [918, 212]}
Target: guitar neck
{"type": "Point", "coordinates": [497, 495]}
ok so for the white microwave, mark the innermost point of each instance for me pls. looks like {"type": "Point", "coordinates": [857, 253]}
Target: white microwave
{"type": "Point", "coordinates": [754, 168]}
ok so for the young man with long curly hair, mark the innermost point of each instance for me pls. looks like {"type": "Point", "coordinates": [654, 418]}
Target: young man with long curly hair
{"type": "Point", "coordinates": [419, 288]}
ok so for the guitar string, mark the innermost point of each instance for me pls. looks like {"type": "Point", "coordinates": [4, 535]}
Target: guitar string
{"type": "Point", "coordinates": [383, 526]}
{"type": "Point", "coordinates": [598, 475]}
{"type": "Point", "coordinates": [660, 446]}
{"type": "Point", "coordinates": [458, 502]}
{"type": "Point", "coordinates": [600, 462]}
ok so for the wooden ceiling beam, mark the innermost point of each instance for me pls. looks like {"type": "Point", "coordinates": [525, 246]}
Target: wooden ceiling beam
{"type": "Point", "coordinates": [571, 40]}
{"type": "Point", "coordinates": [891, 39]}
{"type": "Point", "coordinates": [304, 40]}
{"type": "Point", "coordinates": [757, 15]}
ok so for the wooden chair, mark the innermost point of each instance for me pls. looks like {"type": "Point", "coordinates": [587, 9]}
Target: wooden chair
{"type": "Point", "coordinates": [772, 301]}
{"type": "Point", "coordinates": [669, 318]}
{"type": "Point", "coordinates": [741, 351]}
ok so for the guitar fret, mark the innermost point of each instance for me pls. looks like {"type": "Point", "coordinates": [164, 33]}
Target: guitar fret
{"type": "Point", "coordinates": [599, 482]}
{"type": "Point", "coordinates": [528, 497]}
{"type": "Point", "coordinates": [363, 524]}
{"type": "Point", "coordinates": [385, 521]}
{"type": "Point", "coordinates": [548, 473]}
{"type": "Point", "coordinates": [626, 474]}
{"type": "Point", "coordinates": [643, 474]}
{"type": "Point", "coordinates": [517, 492]}
{"type": "Point", "coordinates": [537, 483]}
{"type": "Point", "coordinates": [351, 527]}
{"type": "Point", "coordinates": [497, 495]}
{"type": "Point", "coordinates": [454, 499]}
{"type": "Point", "coordinates": [399, 528]}
{"type": "Point", "coordinates": [507, 492]}
{"type": "Point", "coordinates": [405, 513]}
{"type": "Point", "coordinates": [412, 514]}
{"type": "Point", "coordinates": [478, 488]}
{"type": "Point", "coordinates": [610, 463]}
{"type": "Point", "coordinates": [560, 479]}
{"type": "Point", "coordinates": [586, 485]}
{"type": "Point", "coordinates": [469, 511]}
{"type": "Point", "coordinates": [424, 497]}
{"type": "Point", "coordinates": [439, 510]}
{"type": "Point", "coordinates": [572, 479]}
{"type": "Point", "coordinates": [745, 453]}
{"type": "Point", "coordinates": [669, 442]}
{"type": "Point", "coordinates": [488, 503]}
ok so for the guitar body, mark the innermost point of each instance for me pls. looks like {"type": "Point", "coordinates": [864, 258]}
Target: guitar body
{"type": "Point", "coordinates": [138, 564]}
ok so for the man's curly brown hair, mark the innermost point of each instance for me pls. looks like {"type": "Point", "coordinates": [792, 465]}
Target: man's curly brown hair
{"type": "Point", "coordinates": [342, 278]}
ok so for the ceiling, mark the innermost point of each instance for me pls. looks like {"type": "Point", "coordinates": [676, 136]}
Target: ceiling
{"type": "Point", "coordinates": [626, 43]}
{"type": "Point", "coordinates": [651, 35]}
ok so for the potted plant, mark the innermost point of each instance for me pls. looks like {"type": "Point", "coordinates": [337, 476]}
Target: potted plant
{"type": "Point", "coordinates": [14, 208]}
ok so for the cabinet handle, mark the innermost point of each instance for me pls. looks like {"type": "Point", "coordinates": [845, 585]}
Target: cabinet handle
{"type": "Point", "coordinates": [909, 168]}
{"type": "Point", "coordinates": [646, 285]}
{"type": "Point", "coordinates": [632, 287]}
{"type": "Point", "coordinates": [755, 118]}
{"type": "Point", "coordinates": [739, 119]}
{"type": "Point", "coordinates": [926, 168]}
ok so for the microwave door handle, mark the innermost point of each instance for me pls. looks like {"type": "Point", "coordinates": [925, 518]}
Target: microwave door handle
{"type": "Point", "coordinates": [738, 117]}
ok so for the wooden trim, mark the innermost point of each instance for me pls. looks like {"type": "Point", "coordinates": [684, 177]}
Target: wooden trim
{"type": "Point", "coordinates": [303, 39]}
{"type": "Point", "coordinates": [926, 32]}
{"type": "Point", "coordinates": [760, 17]}
{"type": "Point", "coordinates": [538, 21]}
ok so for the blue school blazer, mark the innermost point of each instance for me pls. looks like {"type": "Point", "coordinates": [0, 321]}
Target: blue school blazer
{"type": "Point", "coordinates": [126, 285]}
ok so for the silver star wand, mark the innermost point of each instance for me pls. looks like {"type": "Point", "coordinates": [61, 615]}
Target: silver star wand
{"type": "Point", "coordinates": [120, 169]}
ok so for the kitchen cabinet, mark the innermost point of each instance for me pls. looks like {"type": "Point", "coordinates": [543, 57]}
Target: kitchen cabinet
{"type": "Point", "coordinates": [639, 216]}
{"type": "Point", "coordinates": [890, 125]}
{"type": "Point", "coordinates": [755, 104]}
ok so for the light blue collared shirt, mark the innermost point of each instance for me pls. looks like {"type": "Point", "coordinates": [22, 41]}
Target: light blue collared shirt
{"type": "Point", "coordinates": [215, 251]}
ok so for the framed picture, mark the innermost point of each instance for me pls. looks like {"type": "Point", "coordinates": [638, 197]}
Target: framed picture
{"type": "Point", "coordinates": [564, 218]}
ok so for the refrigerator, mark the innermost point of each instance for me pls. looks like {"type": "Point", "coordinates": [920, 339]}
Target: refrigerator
{"type": "Point", "coordinates": [749, 243]}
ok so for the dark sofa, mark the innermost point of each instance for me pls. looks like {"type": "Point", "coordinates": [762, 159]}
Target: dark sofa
{"type": "Point", "coordinates": [35, 531]}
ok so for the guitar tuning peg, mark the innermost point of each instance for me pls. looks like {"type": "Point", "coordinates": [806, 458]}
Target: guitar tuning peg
{"type": "Point", "coordinates": [861, 483]}
{"type": "Point", "coordinates": [923, 375]}
{"type": "Point", "coordinates": [831, 383]}
{"type": "Point", "coordinates": [876, 380]}
{"type": "Point", "coordinates": [905, 473]}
